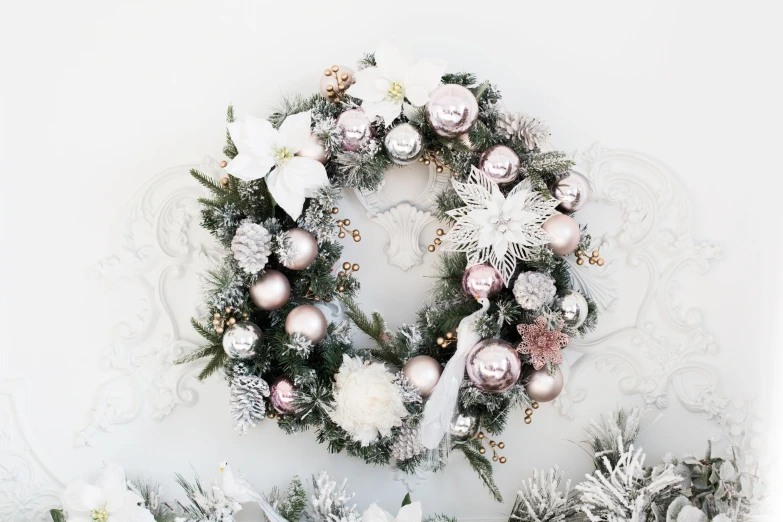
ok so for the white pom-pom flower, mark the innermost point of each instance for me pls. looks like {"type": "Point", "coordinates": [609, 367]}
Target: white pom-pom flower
{"type": "Point", "coordinates": [367, 403]}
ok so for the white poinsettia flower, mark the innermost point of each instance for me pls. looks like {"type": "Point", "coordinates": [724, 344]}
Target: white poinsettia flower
{"type": "Point", "coordinates": [410, 513]}
{"type": "Point", "coordinates": [108, 500]}
{"type": "Point", "coordinates": [383, 88]}
{"type": "Point", "coordinates": [262, 147]}
{"type": "Point", "coordinates": [498, 229]}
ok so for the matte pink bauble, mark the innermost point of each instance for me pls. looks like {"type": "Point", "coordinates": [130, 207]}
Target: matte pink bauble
{"type": "Point", "coordinates": [452, 110]}
{"type": "Point", "coordinates": [565, 234]}
{"type": "Point", "coordinates": [423, 372]}
{"type": "Point", "coordinates": [270, 291]}
{"type": "Point", "coordinates": [313, 149]}
{"type": "Point", "coordinates": [482, 281]}
{"type": "Point", "coordinates": [307, 321]}
{"type": "Point", "coordinates": [357, 131]}
{"type": "Point", "coordinates": [493, 365]}
{"type": "Point", "coordinates": [541, 386]}
{"type": "Point", "coordinates": [281, 396]}
{"type": "Point", "coordinates": [499, 164]}
{"type": "Point", "coordinates": [344, 75]}
{"type": "Point", "coordinates": [304, 249]}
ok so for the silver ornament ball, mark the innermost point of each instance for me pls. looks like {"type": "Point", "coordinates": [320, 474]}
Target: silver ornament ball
{"type": "Point", "coordinates": [493, 365]}
{"type": "Point", "coordinates": [499, 164]}
{"type": "Point", "coordinates": [313, 149]}
{"type": "Point", "coordinates": [242, 340]}
{"type": "Point", "coordinates": [565, 234]}
{"type": "Point", "coordinates": [307, 321]}
{"type": "Point", "coordinates": [572, 192]}
{"type": "Point", "coordinates": [404, 144]}
{"type": "Point", "coordinates": [482, 281]}
{"type": "Point", "coordinates": [542, 387]}
{"type": "Point", "coordinates": [304, 249]}
{"type": "Point", "coordinates": [574, 308]}
{"type": "Point", "coordinates": [356, 128]}
{"type": "Point", "coordinates": [463, 428]}
{"type": "Point", "coordinates": [452, 110]}
{"type": "Point", "coordinates": [270, 291]}
{"type": "Point", "coordinates": [423, 372]}
{"type": "Point", "coordinates": [281, 396]}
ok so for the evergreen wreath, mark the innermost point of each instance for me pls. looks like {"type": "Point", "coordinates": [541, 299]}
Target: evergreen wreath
{"type": "Point", "coordinates": [502, 281]}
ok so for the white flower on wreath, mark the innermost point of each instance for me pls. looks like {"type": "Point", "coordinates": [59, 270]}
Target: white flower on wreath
{"type": "Point", "coordinates": [366, 403]}
{"type": "Point", "coordinates": [108, 500]}
{"type": "Point", "coordinates": [410, 513]}
{"type": "Point", "coordinates": [501, 230]}
{"type": "Point", "coordinates": [384, 88]}
{"type": "Point", "coordinates": [262, 147]}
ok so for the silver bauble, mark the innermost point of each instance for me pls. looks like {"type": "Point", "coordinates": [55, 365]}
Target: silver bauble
{"type": "Point", "coordinates": [542, 387]}
{"type": "Point", "coordinates": [572, 192]}
{"type": "Point", "coordinates": [499, 164]}
{"type": "Point", "coordinates": [270, 291]}
{"type": "Point", "coordinates": [281, 396]}
{"type": "Point", "coordinates": [404, 144]}
{"type": "Point", "coordinates": [493, 365]}
{"type": "Point", "coordinates": [307, 321]}
{"type": "Point", "coordinates": [573, 306]}
{"type": "Point", "coordinates": [357, 131]}
{"type": "Point", "coordinates": [452, 110]}
{"type": "Point", "coordinates": [423, 372]}
{"type": "Point", "coordinates": [463, 428]}
{"type": "Point", "coordinates": [242, 340]}
{"type": "Point", "coordinates": [482, 281]}
{"type": "Point", "coordinates": [313, 149]}
{"type": "Point", "coordinates": [304, 248]}
{"type": "Point", "coordinates": [565, 234]}
{"type": "Point", "coordinates": [343, 75]}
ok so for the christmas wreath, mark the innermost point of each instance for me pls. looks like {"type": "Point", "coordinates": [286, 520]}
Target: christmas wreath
{"type": "Point", "coordinates": [504, 305]}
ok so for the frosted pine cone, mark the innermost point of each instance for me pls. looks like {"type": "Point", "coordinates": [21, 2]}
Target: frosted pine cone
{"type": "Point", "coordinates": [408, 443]}
{"type": "Point", "coordinates": [247, 401]}
{"type": "Point", "coordinates": [519, 126]}
{"type": "Point", "coordinates": [534, 290]}
{"type": "Point", "coordinates": [251, 246]}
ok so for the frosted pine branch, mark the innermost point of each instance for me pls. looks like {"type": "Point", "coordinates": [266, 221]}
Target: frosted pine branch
{"type": "Point", "coordinates": [540, 499]}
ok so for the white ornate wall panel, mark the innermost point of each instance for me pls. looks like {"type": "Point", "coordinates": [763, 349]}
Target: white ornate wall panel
{"type": "Point", "coordinates": [101, 246]}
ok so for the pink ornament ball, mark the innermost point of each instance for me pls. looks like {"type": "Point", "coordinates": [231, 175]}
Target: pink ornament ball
{"type": "Point", "coordinates": [565, 234]}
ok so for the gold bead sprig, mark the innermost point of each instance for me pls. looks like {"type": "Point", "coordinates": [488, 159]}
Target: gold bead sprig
{"type": "Point", "coordinates": [594, 258]}
{"type": "Point", "coordinates": [224, 179]}
{"type": "Point", "coordinates": [222, 321]}
{"type": "Point", "coordinates": [343, 225]}
{"type": "Point", "coordinates": [430, 158]}
{"type": "Point", "coordinates": [494, 446]}
{"type": "Point", "coordinates": [451, 337]}
{"type": "Point", "coordinates": [342, 80]}
{"type": "Point", "coordinates": [529, 412]}
{"type": "Point", "coordinates": [274, 415]}
{"type": "Point", "coordinates": [437, 241]}
{"type": "Point", "coordinates": [348, 270]}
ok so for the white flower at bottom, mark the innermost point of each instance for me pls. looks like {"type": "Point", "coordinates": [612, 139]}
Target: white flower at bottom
{"type": "Point", "coordinates": [409, 513]}
{"type": "Point", "coordinates": [366, 401]}
{"type": "Point", "coordinates": [109, 500]}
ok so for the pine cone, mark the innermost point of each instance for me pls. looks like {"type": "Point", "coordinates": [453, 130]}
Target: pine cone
{"type": "Point", "coordinates": [534, 290]}
{"type": "Point", "coordinates": [247, 401]}
{"type": "Point", "coordinates": [518, 126]}
{"type": "Point", "coordinates": [408, 443]}
{"type": "Point", "coordinates": [251, 246]}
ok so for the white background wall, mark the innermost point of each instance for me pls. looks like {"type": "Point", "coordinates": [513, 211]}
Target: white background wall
{"type": "Point", "coordinates": [97, 97]}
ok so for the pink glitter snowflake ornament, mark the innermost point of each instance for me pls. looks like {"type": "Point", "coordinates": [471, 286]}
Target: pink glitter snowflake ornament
{"type": "Point", "coordinates": [542, 344]}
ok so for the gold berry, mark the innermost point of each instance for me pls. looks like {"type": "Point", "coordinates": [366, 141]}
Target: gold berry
{"type": "Point", "coordinates": [440, 232]}
{"type": "Point", "coordinates": [335, 210]}
{"type": "Point", "coordinates": [224, 181]}
{"type": "Point", "coordinates": [328, 72]}
{"type": "Point", "coordinates": [335, 68]}
{"type": "Point", "coordinates": [528, 412]}
{"type": "Point", "coordinates": [600, 262]}
{"type": "Point", "coordinates": [357, 238]}
{"type": "Point", "coordinates": [219, 330]}
{"type": "Point", "coordinates": [440, 340]}
{"type": "Point", "coordinates": [437, 241]}
{"type": "Point", "coordinates": [502, 460]}
{"type": "Point", "coordinates": [449, 335]}
{"type": "Point", "coordinates": [580, 261]}
{"type": "Point", "coordinates": [346, 266]}
{"type": "Point", "coordinates": [528, 420]}
{"type": "Point", "coordinates": [579, 253]}
{"type": "Point", "coordinates": [355, 267]}
{"type": "Point", "coordinates": [341, 235]}
{"type": "Point", "coordinates": [501, 445]}
{"type": "Point", "coordinates": [535, 405]}
{"type": "Point", "coordinates": [223, 164]}
{"type": "Point", "coordinates": [341, 289]}
{"type": "Point", "coordinates": [482, 450]}
{"type": "Point", "coordinates": [431, 248]}
{"type": "Point", "coordinates": [347, 222]}
{"type": "Point", "coordinates": [439, 170]}
{"type": "Point", "coordinates": [481, 435]}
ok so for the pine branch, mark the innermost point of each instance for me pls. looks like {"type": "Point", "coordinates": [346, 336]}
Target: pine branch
{"type": "Point", "coordinates": [208, 182]}
{"type": "Point", "coordinates": [217, 362]}
{"type": "Point", "coordinates": [230, 149]}
{"type": "Point", "coordinates": [57, 515]}
{"type": "Point", "coordinates": [375, 327]}
{"type": "Point", "coordinates": [480, 465]}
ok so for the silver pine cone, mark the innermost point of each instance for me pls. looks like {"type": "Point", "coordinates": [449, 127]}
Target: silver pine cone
{"type": "Point", "coordinates": [408, 443]}
{"type": "Point", "coordinates": [518, 126]}
{"type": "Point", "coordinates": [534, 290]}
{"type": "Point", "coordinates": [247, 401]}
{"type": "Point", "coordinates": [251, 245]}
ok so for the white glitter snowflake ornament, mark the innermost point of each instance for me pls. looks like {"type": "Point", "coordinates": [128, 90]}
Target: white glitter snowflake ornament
{"type": "Point", "coordinates": [501, 230]}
